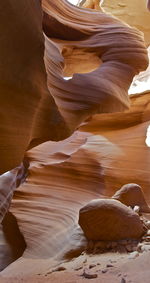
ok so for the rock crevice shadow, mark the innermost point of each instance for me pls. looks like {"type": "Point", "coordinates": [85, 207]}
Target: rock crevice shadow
{"type": "Point", "coordinates": [12, 243]}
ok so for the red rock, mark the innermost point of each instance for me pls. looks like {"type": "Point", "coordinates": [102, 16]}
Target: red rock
{"type": "Point", "coordinates": [33, 116]}
{"type": "Point", "coordinates": [64, 176]}
{"type": "Point", "coordinates": [110, 220]}
{"type": "Point", "coordinates": [132, 195]}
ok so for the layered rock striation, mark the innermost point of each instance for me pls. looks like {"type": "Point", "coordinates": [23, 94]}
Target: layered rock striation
{"type": "Point", "coordinates": [38, 104]}
{"type": "Point", "coordinates": [31, 89]}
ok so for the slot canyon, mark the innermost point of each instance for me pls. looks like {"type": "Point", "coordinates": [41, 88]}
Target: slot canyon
{"type": "Point", "coordinates": [74, 141]}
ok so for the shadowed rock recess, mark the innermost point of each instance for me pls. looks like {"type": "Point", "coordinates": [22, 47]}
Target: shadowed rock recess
{"type": "Point", "coordinates": [79, 143]}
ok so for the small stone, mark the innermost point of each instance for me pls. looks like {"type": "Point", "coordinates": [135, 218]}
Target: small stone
{"type": "Point", "coordinates": [148, 233]}
{"type": "Point", "coordinates": [133, 255]}
{"type": "Point", "coordinates": [85, 260]}
{"type": "Point", "coordinates": [109, 265]}
{"type": "Point", "coordinates": [88, 275]}
{"type": "Point", "coordinates": [50, 272]}
{"type": "Point", "coordinates": [122, 5]}
{"type": "Point", "coordinates": [78, 268]}
{"type": "Point", "coordinates": [136, 209]}
{"type": "Point", "coordinates": [92, 266]}
{"type": "Point", "coordinates": [104, 270]}
{"type": "Point", "coordinates": [112, 261]}
{"type": "Point", "coordinates": [123, 280]}
{"type": "Point", "coordinates": [60, 268]}
{"type": "Point", "coordinates": [139, 246]}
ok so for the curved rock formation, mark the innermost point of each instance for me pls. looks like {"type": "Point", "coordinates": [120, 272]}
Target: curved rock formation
{"type": "Point", "coordinates": [7, 187]}
{"type": "Point", "coordinates": [102, 35]}
{"type": "Point", "coordinates": [64, 176]}
{"type": "Point", "coordinates": [110, 148]}
{"type": "Point", "coordinates": [141, 82]}
{"type": "Point", "coordinates": [134, 13]}
{"type": "Point", "coordinates": [91, 4]}
{"type": "Point", "coordinates": [23, 85]}
{"type": "Point", "coordinates": [33, 115]}
{"type": "Point", "coordinates": [119, 143]}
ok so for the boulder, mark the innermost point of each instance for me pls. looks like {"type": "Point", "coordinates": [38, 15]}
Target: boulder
{"type": "Point", "coordinates": [132, 195]}
{"type": "Point", "coordinates": [109, 220]}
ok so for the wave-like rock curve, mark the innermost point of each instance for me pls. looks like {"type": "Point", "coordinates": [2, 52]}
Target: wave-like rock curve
{"type": "Point", "coordinates": [29, 114]}
{"type": "Point", "coordinates": [96, 161]}
{"type": "Point", "coordinates": [42, 106]}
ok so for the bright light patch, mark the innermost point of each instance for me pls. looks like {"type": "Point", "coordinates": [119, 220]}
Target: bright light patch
{"type": "Point", "coordinates": [148, 137]}
{"type": "Point", "coordinates": [6, 173]}
{"type": "Point", "coordinates": [141, 82]}
{"type": "Point", "coordinates": [67, 78]}
{"type": "Point", "coordinates": [139, 86]}
{"type": "Point", "coordinates": [74, 2]}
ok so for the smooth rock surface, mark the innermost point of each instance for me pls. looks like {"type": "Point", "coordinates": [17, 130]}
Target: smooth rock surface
{"type": "Point", "coordinates": [33, 115]}
{"type": "Point", "coordinates": [109, 220]}
{"type": "Point", "coordinates": [107, 152]}
{"type": "Point", "coordinates": [132, 195]}
{"type": "Point", "coordinates": [135, 13]}
{"type": "Point", "coordinates": [133, 255]}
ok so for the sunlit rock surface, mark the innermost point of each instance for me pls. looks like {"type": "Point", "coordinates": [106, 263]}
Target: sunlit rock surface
{"type": "Point", "coordinates": [106, 152]}
{"type": "Point", "coordinates": [132, 195]}
{"type": "Point", "coordinates": [135, 13]}
{"type": "Point", "coordinates": [29, 113]}
{"type": "Point", "coordinates": [141, 82]}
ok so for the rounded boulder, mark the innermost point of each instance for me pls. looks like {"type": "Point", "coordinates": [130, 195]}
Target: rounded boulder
{"type": "Point", "coordinates": [109, 220]}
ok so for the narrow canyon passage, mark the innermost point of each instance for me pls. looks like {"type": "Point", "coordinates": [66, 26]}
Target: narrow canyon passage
{"type": "Point", "coordinates": [82, 138]}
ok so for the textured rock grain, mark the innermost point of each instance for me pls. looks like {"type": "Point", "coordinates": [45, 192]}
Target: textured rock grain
{"type": "Point", "coordinates": [106, 153]}
{"type": "Point", "coordinates": [109, 220]}
{"type": "Point", "coordinates": [132, 195]}
{"type": "Point", "coordinates": [32, 116]}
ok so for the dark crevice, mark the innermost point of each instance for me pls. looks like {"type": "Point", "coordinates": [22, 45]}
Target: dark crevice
{"type": "Point", "coordinates": [55, 29]}
{"type": "Point", "coordinates": [12, 243]}
{"type": "Point", "coordinates": [22, 172]}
